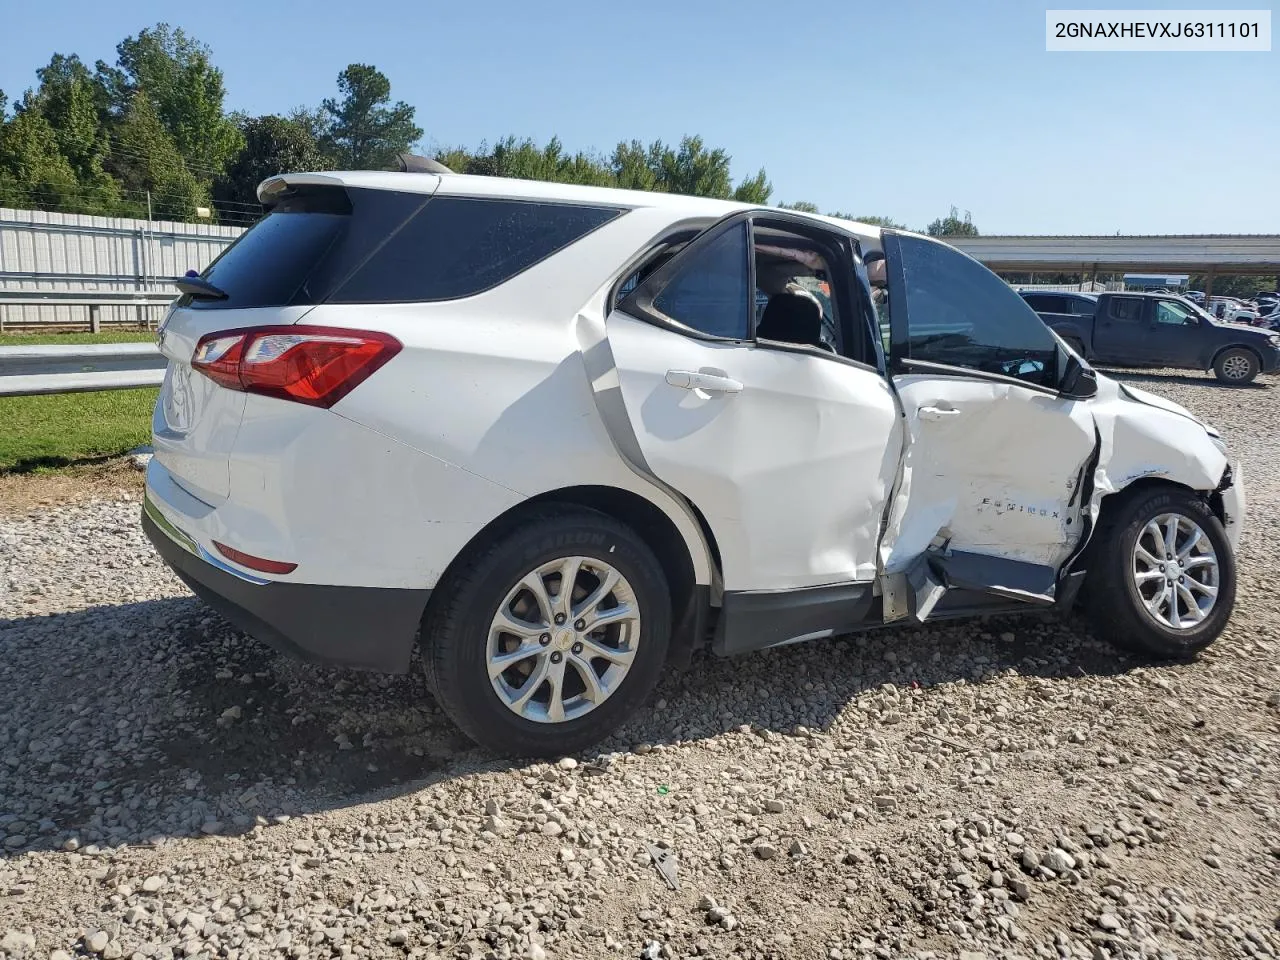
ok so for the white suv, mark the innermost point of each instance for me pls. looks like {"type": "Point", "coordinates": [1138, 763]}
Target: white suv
{"type": "Point", "coordinates": [559, 436]}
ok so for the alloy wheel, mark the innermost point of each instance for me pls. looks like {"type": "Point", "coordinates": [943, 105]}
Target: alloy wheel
{"type": "Point", "coordinates": [563, 639]}
{"type": "Point", "coordinates": [1175, 570]}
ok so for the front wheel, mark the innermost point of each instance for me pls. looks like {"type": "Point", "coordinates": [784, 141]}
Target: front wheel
{"type": "Point", "coordinates": [1162, 580]}
{"type": "Point", "coordinates": [545, 641]}
{"type": "Point", "coordinates": [1236, 366]}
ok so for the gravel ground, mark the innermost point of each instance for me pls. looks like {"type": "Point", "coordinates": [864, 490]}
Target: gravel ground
{"type": "Point", "coordinates": [1008, 788]}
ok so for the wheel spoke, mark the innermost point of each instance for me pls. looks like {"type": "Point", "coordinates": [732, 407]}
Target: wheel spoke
{"type": "Point", "coordinates": [568, 577]}
{"type": "Point", "coordinates": [532, 685]}
{"type": "Point", "coordinates": [602, 618]}
{"type": "Point", "coordinates": [1171, 536]}
{"type": "Point", "coordinates": [592, 600]}
{"type": "Point", "coordinates": [1156, 602]}
{"type": "Point", "coordinates": [1194, 613]}
{"type": "Point", "coordinates": [592, 650]}
{"type": "Point", "coordinates": [505, 661]}
{"type": "Point", "coordinates": [534, 583]}
{"type": "Point", "coordinates": [1206, 589]}
{"type": "Point", "coordinates": [1201, 560]}
{"type": "Point", "coordinates": [555, 703]}
{"type": "Point", "coordinates": [505, 622]}
{"type": "Point", "coordinates": [1190, 544]}
{"type": "Point", "coordinates": [1148, 575]}
{"type": "Point", "coordinates": [1146, 556]}
{"type": "Point", "coordinates": [590, 679]}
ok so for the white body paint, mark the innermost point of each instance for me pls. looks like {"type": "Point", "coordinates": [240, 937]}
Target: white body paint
{"type": "Point", "coordinates": [510, 394]}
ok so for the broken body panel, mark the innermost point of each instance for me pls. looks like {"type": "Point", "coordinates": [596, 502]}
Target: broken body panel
{"type": "Point", "coordinates": [905, 489]}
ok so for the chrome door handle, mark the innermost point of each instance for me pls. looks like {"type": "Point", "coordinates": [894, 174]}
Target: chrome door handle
{"type": "Point", "coordinates": [937, 413]}
{"type": "Point", "coordinates": [707, 382]}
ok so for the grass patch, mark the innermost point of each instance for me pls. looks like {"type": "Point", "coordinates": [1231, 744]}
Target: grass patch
{"type": "Point", "coordinates": [61, 430]}
{"type": "Point", "coordinates": [40, 339]}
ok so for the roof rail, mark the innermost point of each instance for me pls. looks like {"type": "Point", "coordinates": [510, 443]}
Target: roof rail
{"type": "Point", "coordinates": [412, 163]}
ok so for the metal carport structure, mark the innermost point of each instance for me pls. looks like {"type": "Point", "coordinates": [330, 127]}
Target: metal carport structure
{"type": "Point", "coordinates": [1210, 254]}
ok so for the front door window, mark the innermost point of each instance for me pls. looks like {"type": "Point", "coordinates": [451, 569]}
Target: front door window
{"type": "Point", "coordinates": [957, 313]}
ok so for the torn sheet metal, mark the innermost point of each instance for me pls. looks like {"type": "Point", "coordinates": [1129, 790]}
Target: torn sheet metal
{"type": "Point", "coordinates": [1001, 470]}
{"type": "Point", "coordinates": [989, 466]}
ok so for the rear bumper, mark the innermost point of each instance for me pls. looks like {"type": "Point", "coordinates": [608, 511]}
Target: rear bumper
{"type": "Point", "coordinates": [366, 628]}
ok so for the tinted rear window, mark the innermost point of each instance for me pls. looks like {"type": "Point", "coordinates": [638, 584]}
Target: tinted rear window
{"type": "Point", "coordinates": [1046, 302]}
{"type": "Point", "coordinates": [457, 247]}
{"type": "Point", "coordinates": [268, 265]}
{"type": "Point", "coordinates": [383, 246]}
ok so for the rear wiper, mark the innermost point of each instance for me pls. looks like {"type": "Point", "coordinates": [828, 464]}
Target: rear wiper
{"type": "Point", "coordinates": [199, 288]}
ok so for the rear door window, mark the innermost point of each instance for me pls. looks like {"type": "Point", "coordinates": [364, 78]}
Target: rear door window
{"type": "Point", "coordinates": [1082, 307]}
{"type": "Point", "coordinates": [1125, 309]}
{"type": "Point", "coordinates": [707, 291]}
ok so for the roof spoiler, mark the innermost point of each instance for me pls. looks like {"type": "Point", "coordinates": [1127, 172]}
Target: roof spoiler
{"type": "Point", "coordinates": [411, 163]}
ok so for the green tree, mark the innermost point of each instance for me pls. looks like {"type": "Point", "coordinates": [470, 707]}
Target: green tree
{"type": "Point", "coordinates": [153, 164]}
{"type": "Point", "coordinates": [33, 172]}
{"type": "Point", "coordinates": [74, 105]}
{"type": "Point", "coordinates": [803, 206]}
{"type": "Point", "coordinates": [952, 226]}
{"type": "Point", "coordinates": [185, 89]}
{"type": "Point", "coordinates": [272, 145]}
{"type": "Point", "coordinates": [754, 190]}
{"type": "Point", "coordinates": [365, 129]}
{"type": "Point", "coordinates": [887, 222]}
{"type": "Point", "coordinates": [631, 168]}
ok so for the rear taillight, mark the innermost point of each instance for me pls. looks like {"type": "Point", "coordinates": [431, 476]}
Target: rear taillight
{"type": "Point", "coordinates": [313, 365]}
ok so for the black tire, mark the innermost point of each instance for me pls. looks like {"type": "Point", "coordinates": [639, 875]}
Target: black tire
{"type": "Point", "coordinates": [1076, 346]}
{"type": "Point", "coordinates": [1112, 596]}
{"type": "Point", "coordinates": [1227, 374]}
{"type": "Point", "coordinates": [456, 624]}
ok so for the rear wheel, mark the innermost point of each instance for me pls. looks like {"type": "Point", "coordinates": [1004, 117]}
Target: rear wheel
{"type": "Point", "coordinates": [1163, 577]}
{"type": "Point", "coordinates": [1236, 365]}
{"type": "Point", "coordinates": [547, 639]}
{"type": "Point", "coordinates": [1076, 346]}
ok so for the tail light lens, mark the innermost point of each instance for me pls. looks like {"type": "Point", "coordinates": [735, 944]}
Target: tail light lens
{"type": "Point", "coordinates": [312, 365]}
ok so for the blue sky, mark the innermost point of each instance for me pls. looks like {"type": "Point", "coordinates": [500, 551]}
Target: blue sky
{"type": "Point", "coordinates": [898, 108]}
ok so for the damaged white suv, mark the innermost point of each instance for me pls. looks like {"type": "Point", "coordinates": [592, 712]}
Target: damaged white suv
{"type": "Point", "coordinates": [560, 436]}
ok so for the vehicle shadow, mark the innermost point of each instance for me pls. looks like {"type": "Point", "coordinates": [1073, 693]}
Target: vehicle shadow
{"type": "Point", "coordinates": [1190, 379]}
{"type": "Point", "coordinates": [129, 723]}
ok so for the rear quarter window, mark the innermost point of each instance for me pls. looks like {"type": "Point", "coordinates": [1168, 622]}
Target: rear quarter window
{"type": "Point", "coordinates": [457, 247]}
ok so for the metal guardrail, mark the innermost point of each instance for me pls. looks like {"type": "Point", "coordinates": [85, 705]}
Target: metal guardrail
{"type": "Point", "coordinates": [95, 300]}
{"type": "Point", "coordinates": [77, 368]}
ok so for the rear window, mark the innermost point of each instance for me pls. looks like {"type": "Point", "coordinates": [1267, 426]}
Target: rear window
{"type": "Point", "coordinates": [267, 266]}
{"type": "Point", "coordinates": [380, 246]}
{"type": "Point", "coordinates": [1046, 302]}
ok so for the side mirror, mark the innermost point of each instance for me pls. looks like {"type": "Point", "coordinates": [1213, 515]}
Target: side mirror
{"type": "Point", "coordinates": [1078, 381]}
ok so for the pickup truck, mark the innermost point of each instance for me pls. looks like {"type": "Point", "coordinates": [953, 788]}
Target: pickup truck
{"type": "Point", "coordinates": [1155, 330]}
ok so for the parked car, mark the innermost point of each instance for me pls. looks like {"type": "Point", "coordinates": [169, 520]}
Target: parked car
{"type": "Point", "coordinates": [1156, 330]}
{"type": "Point", "coordinates": [539, 431]}
{"type": "Point", "coordinates": [1195, 296]}
{"type": "Point", "coordinates": [1231, 310]}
